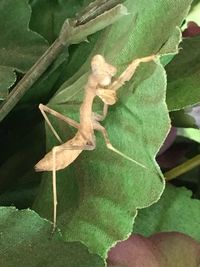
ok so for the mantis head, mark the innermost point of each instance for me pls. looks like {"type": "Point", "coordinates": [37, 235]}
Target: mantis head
{"type": "Point", "coordinates": [104, 72]}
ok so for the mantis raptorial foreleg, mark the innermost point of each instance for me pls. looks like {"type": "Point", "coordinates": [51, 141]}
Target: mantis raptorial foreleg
{"type": "Point", "coordinates": [101, 117]}
{"type": "Point", "coordinates": [58, 115]}
{"type": "Point", "coordinates": [129, 72]}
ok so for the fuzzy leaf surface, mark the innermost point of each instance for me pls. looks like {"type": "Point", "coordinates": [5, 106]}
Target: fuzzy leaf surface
{"type": "Point", "coordinates": [175, 211]}
{"type": "Point", "coordinates": [26, 240]}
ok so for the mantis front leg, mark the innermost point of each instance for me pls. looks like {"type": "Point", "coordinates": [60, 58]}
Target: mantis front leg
{"type": "Point", "coordinates": [129, 72]}
{"type": "Point", "coordinates": [101, 117]}
{"type": "Point", "coordinates": [58, 115]}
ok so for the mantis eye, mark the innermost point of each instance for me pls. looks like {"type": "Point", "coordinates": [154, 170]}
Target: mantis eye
{"type": "Point", "coordinates": [102, 70]}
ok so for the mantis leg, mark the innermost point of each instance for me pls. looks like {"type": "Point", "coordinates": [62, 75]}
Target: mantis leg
{"type": "Point", "coordinates": [100, 128]}
{"type": "Point", "coordinates": [58, 115]}
{"type": "Point", "coordinates": [129, 72]}
{"type": "Point", "coordinates": [101, 117]}
{"type": "Point", "coordinates": [55, 150]}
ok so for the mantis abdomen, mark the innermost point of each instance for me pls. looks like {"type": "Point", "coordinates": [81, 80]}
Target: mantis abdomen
{"type": "Point", "coordinates": [65, 154]}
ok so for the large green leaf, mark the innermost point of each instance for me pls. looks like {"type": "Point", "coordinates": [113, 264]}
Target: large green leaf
{"type": "Point", "coordinates": [26, 240]}
{"type": "Point", "coordinates": [183, 72]}
{"type": "Point", "coordinates": [175, 211]}
{"type": "Point", "coordinates": [99, 194]}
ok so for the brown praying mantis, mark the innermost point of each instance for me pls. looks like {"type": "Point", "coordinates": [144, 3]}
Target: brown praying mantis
{"type": "Point", "coordinates": [99, 84]}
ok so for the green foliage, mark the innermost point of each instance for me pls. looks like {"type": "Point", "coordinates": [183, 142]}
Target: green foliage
{"type": "Point", "coordinates": [26, 240]}
{"type": "Point", "coordinates": [190, 133]}
{"type": "Point", "coordinates": [99, 195]}
{"type": "Point", "coordinates": [183, 72]}
{"type": "Point", "coordinates": [184, 118]}
{"type": "Point", "coordinates": [7, 77]}
{"type": "Point", "coordinates": [48, 16]}
{"type": "Point", "coordinates": [176, 211]}
{"type": "Point", "coordinates": [98, 201]}
{"type": "Point", "coordinates": [19, 47]}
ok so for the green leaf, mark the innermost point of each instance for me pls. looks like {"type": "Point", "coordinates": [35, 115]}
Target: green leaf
{"type": "Point", "coordinates": [99, 194]}
{"type": "Point", "coordinates": [19, 47]}
{"type": "Point", "coordinates": [7, 78]}
{"type": "Point", "coordinates": [183, 73]}
{"type": "Point", "coordinates": [183, 118]}
{"type": "Point", "coordinates": [193, 134]}
{"type": "Point", "coordinates": [26, 240]}
{"type": "Point", "coordinates": [175, 211]}
{"type": "Point", "coordinates": [49, 15]}
{"type": "Point", "coordinates": [194, 12]}
{"type": "Point", "coordinates": [195, 3]}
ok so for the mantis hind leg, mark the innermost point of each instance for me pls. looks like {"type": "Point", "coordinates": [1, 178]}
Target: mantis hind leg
{"type": "Point", "coordinates": [99, 127]}
{"type": "Point", "coordinates": [55, 150]}
{"type": "Point", "coordinates": [110, 146]}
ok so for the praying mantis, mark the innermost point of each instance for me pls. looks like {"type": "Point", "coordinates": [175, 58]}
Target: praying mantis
{"type": "Point", "coordinates": [99, 84]}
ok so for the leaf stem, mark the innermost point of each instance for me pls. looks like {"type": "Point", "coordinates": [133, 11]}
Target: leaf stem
{"type": "Point", "coordinates": [70, 33]}
{"type": "Point", "coordinates": [182, 168]}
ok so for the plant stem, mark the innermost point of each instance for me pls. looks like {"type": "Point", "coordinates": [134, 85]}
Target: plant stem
{"type": "Point", "coordinates": [31, 77]}
{"type": "Point", "coordinates": [95, 9]}
{"type": "Point", "coordinates": [69, 34]}
{"type": "Point", "coordinates": [182, 168]}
